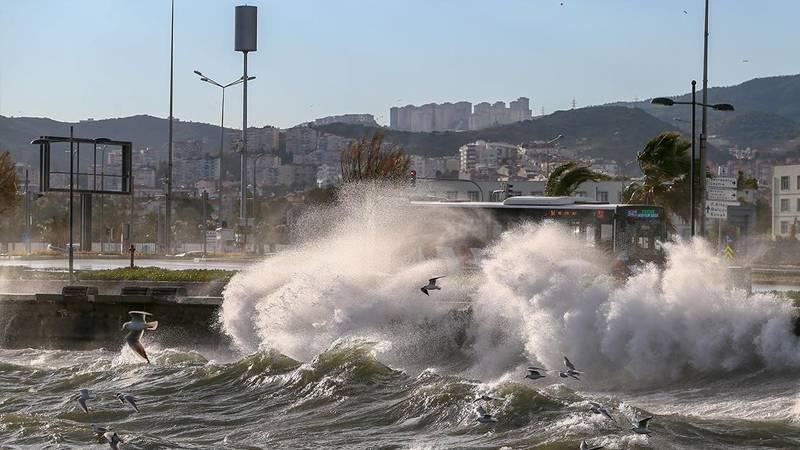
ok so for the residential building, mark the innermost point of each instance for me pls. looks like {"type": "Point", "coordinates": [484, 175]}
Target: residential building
{"type": "Point", "coordinates": [468, 190]}
{"type": "Point", "coordinates": [298, 176]}
{"type": "Point", "coordinates": [186, 172]}
{"type": "Point", "coordinates": [482, 159]}
{"type": "Point", "coordinates": [457, 116]}
{"type": "Point", "coordinates": [301, 140]}
{"type": "Point", "coordinates": [328, 175]}
{"type": "Point", "coordinates": [785, 200]}
{"type": "Point", "coordinates": [352, 119]}
{"type": "Point", "coordinates": [264, 139]}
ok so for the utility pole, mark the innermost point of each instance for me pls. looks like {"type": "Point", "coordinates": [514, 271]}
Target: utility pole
{"type": "Point", "coordinates": [204, 226]}
{"type": "Point", "coordinates": [704, 130]}
{"type": "Point", "coordinates": [168, 212]}
{"type": "Point", "coordinates": [27, 214]}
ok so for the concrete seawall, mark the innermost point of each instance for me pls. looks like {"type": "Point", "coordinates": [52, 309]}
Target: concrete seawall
{"type": "Point", "coordinates": [193, 288]}
{"type": "Point", "coordinates": [95, 321]}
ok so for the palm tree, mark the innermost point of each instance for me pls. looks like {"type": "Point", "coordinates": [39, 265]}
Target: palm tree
{"type": "Point", "coordinates": [665, 162]}
{"type": "Point", "coordinates": [566, 178]}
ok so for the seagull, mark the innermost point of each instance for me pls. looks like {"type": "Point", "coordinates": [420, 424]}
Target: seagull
{"type": "Point", "coordinates": [123, 398]}
{"type": "Point", "coordinates": [487, 398]}
{"type": "Point", "coordinates": [431, 286]}
{"type": "Point", "coordinates": [642, 428]}
{"type": "Point", "coordinates": [745, 60]}
{"type": "Point", "coordinates": [597, 408]}
{"type": "Point", "coordinates": [99, 429]}
{"type": "Point", "coordinates": [534, 373]}
{"type": "Point", "coordinates": [571, 371]}
{"type": "Point", "coordinates": [483, 416]}
{"type": "Point", "coordinates": [137, 325]}
{"type": "Point", "coordinates": [113, 439]}
{"type": "Point", "coordinates": [585, 446]}
{"type": "Point", "coordinates": [82, 397]}
{"type": "Point", "coordinates": [685, 12]}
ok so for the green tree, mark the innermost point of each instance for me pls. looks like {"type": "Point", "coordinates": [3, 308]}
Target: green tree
{"type": "Point", "coordinates": [366, 159]}
{"type": "Point", "coordinates": [665, 162]}
{"type": "Point", "coordinates": [8, 183]}
{"type": "Point", "coordinates": [566, 178]}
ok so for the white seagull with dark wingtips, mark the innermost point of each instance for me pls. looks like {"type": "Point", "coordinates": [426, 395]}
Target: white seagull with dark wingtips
{"type": "Point", "coordinates": [431, 286]}
{"type": "Point", "coordinates": [113, 439]}
{"type": "Point", "coordinates": [642, 427]}
{"type": "Point", "coordinates": [137, 325]}
{"type": "Point", "coordinates": [82, 397]}
{"type": "Point", "coordinates": [571, 370]}
{"type": "Point", "coordinates": [585, 446]}
{"type": "Point", "coordinates": [483, 416]}
{"type": "Point", "coordinates": [127, 398]}
{"type": "Point", "coordinates": [597, 408]}
{"type": "Point", "coordinates": [99, 429]}
{"type": "Point", "coordinates": [487, 398]}
{"type": "Point", "coordinates": [534, 373]}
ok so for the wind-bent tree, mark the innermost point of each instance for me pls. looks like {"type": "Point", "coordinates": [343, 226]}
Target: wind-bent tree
{"type": "Point", "coordinates": [665, 162]}
{"type": "Point", "coordinates": [565, 179]}
{"type": "Point", "coordinates": [8, 183]}
{"type": "Point", "coordinates": [366, 159]}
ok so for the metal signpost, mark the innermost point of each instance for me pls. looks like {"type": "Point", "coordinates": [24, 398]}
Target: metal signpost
{"type": "Point", "coordinates": [720, 193]}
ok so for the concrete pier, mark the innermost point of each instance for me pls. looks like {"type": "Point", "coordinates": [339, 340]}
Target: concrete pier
{"type": "Point", "coordinates": [83, 322]}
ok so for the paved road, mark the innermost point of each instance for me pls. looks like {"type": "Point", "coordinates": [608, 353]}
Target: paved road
{"type": "Point", "coordinates": [109, 263]}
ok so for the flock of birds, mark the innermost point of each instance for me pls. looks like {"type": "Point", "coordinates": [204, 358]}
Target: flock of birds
{"type": "Point", "coordinates": [136, 326]}
{"type": "Point", "coordinates": [535, 373]}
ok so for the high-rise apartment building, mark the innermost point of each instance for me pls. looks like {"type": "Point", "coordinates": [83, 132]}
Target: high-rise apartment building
{"type": "Point", "coordinates": [458, 116]}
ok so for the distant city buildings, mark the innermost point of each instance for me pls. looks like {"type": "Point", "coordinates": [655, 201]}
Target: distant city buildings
{"type": "Point", "coordinates": [785, 186]}
{"type": "Point", "coordinates": [351, 119]}
{"type": "Point", "coordinates": [458, 116]}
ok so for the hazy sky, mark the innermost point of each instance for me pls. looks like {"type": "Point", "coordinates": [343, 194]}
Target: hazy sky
{"type": "Point", "coordinates": [74, 59]}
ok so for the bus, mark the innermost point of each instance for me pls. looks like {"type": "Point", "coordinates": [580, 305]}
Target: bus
{"type": "Point", "coordinates": [632, 234]}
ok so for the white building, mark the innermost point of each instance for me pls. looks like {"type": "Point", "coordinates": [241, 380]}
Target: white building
{"type": "Point", "coordinates": [479, 156]}
{"type": "Point", "coordinates": [188, 171]}
{"type": "Point", "coordinates": [785, 200]}
{"type": "Point", "coordinates": [467, 190]}
{"type": "Point", "coordinates": [328, 175]}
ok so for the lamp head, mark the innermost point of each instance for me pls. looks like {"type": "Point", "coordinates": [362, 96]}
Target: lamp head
{"type": "Point", "coordinates": [664, 101]}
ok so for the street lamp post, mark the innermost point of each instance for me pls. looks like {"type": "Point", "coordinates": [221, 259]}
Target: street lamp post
{"type": "Point", "coordinates": [221, 130]}
{"type": "Point", "coordinates": [168, 212]}
{"type": "Point", "coordinates": [205, 224]}
{"type": "Point", "coordinates": [664, 101]}
{"type": "Point", "coordinates": [256, 206]}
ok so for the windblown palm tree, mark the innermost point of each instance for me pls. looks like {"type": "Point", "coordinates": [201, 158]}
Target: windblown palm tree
{"type": "Point", "coordinates": [566, 178]}
{"type": "Point", "coordinates": [665, 162]}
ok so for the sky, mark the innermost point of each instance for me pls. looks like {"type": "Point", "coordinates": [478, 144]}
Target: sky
{"type": "Point", "coordinates": [78, 59]}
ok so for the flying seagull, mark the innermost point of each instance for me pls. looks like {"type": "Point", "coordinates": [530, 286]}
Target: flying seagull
{"type": "Point", "coordinates": [82, 397]}
{"type": "Point", "coordinates": [127, 398]}
{"type": "Point", "coordinates": [137, 325]}
{"type": "Point", "coordinates": [642, 428]}
{"type": "Point", "coordinates": [585, 446]}
{"type": "Point", "coordinates": [431, 286]}
{"type": "Point", "coordinates": [113, 439]}
{"type": "Point", "coordinates": [99, 429]}
{"type": "Point", "coordinates": [487, 398]}
{"type": "Point", "coordinates": [571, 370]}
{"type": "Point", "coordinates": [534, 373]}
{"type": "Point", "coordinates": [597, 408]}
{"type": "Point", "coordinates": [483, 416]}
{"type": "Point", "coordinates": [685, 12]}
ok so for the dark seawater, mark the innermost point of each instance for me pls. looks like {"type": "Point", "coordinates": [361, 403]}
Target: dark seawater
{"type": "Point", "coordinates": [346, 398]}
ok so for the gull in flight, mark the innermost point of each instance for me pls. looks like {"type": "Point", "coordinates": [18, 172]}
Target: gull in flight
{"type": "Point", "coordinates": [82, 397]}
{"type": "Point", "coordinates": [113, 439]}
{"type": "Point", "coordinates": [99, 429]}
{"type": "Point", "coordinates": [571, 371]}
{"type": "Point", "coordinates": [597, 408]}
{"type": "Point", "coordinates": [487, 398]}
{"type": "Point", "coordinates": [585, 446]}
{"type": "Point", "coordinates": [483, 416]}
{"type": "Point", "coordinates": [431, 286]}
{"type": "Point", "coordinates": [642, 427]}
{"type": "Point", "coordinates": [127, 398]}
{"type": "Point", "coordinates": [534, 373]}
{"type": "Point", "coordinates": [137, 325]}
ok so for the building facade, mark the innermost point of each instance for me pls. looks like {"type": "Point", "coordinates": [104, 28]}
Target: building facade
{"type": "Point", "coordinates": [458, 116]}
{"type": "Point", "coordinates": [785, 200]}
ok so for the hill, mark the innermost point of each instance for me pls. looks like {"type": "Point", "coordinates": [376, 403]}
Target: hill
{"type": "Point", "coordinates": [601, 131]}
{"type": "Point", "coordinates": [144, 131]}
{"type": "Point", "coordinates": [767, 111]}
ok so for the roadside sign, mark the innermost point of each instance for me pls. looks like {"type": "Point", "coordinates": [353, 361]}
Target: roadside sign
{"type": "Point", "coordinates": [728, 252]}
{"type": "Point", "coordinates": [721, 183]}
{"type": "Point", "coordinates": [717, 210]}
{"type": "Point", "coordinates": [721, 194]}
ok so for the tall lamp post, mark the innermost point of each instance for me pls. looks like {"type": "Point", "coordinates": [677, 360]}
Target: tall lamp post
{"type": "Point", "coordinates": [664, 101]}
{"type": "Point", "coordinates": [245, 41]}
{"type": "Point", "coordinates": [221, 129]}
{"type": "Point", "coordinates": [168, 200]}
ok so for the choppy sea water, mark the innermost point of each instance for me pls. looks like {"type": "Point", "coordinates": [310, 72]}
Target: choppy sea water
{"type": "Point", "coordinates": [333, 346]}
